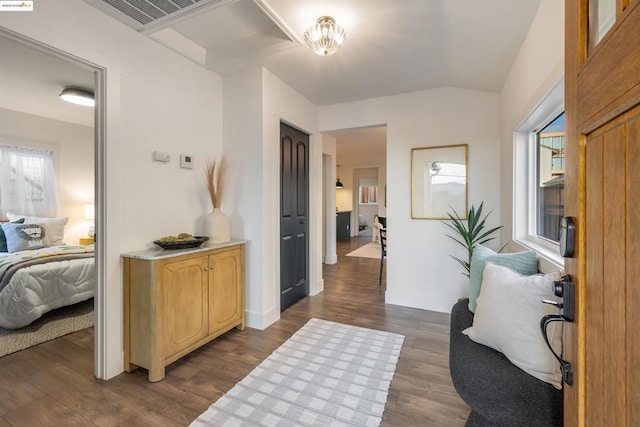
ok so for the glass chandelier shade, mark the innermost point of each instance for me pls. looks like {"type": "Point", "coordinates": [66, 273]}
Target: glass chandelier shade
{"type": "Point", "coordinates": [325, 37]}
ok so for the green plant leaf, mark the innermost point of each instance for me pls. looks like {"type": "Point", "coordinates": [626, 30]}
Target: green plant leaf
{"type": "Point", "coordinates": [489, 232]}
{"type": "Point", "coordinates": [470, 232]}
{"type": "Point", "coordinates": [463, 244]}
{"type": "Point", "coordinates": [464, 264]}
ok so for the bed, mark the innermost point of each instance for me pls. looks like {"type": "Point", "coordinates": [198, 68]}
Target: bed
{"type": "Point", "coordinates": [33, 282]}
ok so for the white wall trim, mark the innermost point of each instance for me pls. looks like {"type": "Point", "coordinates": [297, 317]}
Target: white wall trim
{"type": "Point", "coordinates": [330, 259]}
{"type": "Point", "coordinates": [524, 196]}
{"type": "Point", "coordinates": [261, 320]}
{"type": "Point", "coordinates": [316, 288]}
{"type": "Point", "coordinates": [329, 214]}
{"type": "Point", "coordinates": [412, 300]}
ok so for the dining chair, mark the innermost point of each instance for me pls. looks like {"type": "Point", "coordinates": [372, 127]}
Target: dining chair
{"type": "Point", "coordinates": [383, 252]}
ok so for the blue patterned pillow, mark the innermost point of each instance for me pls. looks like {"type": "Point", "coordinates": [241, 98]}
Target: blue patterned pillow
{"type": "Point", "coordinates": [21, 237]}
{"type": "Point", "coordinates": [525, 263]}
{"type": "Point", "coordinates": [3, 238]}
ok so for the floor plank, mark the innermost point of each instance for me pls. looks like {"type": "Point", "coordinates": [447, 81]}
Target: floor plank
{"type": "Point", "coordinates": [53, 384]}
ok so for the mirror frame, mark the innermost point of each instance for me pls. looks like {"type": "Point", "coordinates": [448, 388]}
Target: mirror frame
{"type": "Point", "coordinates": [464, 150]}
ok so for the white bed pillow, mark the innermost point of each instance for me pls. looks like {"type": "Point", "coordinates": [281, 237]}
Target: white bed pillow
{"type": "Point", "coordinates": [22, 237]}
{"type": "Point", "coordinates": [507, 319]}
{"type": "Point", "coordinates": [54, 226]}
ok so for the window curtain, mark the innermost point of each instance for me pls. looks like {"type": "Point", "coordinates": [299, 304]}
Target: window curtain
{"type": "Point", "coordinates": [27, 182]}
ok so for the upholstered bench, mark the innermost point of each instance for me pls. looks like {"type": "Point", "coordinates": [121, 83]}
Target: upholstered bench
{"type": "Point", "coordinates": [498, 392]}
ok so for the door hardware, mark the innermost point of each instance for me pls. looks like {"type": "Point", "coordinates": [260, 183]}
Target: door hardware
{"type": "Point", "coordinates": [564, 288]}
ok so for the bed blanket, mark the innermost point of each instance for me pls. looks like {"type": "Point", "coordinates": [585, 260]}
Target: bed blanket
{"type": "Point", "coordinates": [36, 287]}
{"type": "Point", "coordinates": [11, 263]}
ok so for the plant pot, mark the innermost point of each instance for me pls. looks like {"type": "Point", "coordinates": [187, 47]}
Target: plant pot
{"type": "Point", "coordinates": [217, 227]}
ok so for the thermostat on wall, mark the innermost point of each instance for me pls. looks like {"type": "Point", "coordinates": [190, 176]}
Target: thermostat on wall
{"type": "Point", "coordinates": [186, 161]}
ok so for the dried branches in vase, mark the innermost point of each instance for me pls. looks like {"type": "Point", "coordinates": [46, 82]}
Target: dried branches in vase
{"type": "Point", "coordinates": [216, 180]}
{"type": "Point", "coordinates": [217, 225]}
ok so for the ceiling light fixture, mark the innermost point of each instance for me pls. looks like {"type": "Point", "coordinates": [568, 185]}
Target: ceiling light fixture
{"type": "Point", "coordinates": [78, 96]}
{"type": "Point", "coordinates": [326, 37]}
{"type": "Point", "coordinates": [338, 183]}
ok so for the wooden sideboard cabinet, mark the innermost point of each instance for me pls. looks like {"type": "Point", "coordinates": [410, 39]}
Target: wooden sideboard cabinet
{"type": "Point", "coordinates": [176, 301]}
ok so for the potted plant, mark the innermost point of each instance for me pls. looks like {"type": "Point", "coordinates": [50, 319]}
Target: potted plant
{"type": "Point", "coordinates": [470, 232]}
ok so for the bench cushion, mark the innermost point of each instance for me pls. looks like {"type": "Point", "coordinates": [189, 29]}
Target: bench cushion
{"type": "Point", "coordinates": [493, 387]}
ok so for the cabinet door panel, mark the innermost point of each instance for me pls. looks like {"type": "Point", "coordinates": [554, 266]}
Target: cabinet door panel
{"type": "Point", "coordinates": [225, 293]}
{"type": "Point", "coordinates": [185, 298]}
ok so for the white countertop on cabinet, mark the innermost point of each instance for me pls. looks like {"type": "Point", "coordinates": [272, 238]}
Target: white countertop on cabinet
{"type": "Point", "coordinates": [159, 253]}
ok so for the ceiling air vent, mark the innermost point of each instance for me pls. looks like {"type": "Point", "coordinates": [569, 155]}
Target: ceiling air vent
{"type": "Point", "coordinates": [149, 14]}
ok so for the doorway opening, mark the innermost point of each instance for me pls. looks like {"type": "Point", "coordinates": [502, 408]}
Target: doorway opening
{"type": "Point", "coordinates": [362, 156]}
{"type": "Point", "coordinates": [75, 135]}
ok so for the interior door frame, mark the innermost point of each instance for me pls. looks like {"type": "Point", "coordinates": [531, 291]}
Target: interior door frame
{"type": "Point", "coordinates": [102, 369]}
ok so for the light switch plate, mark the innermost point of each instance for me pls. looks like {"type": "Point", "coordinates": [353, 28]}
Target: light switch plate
{"type": "Point", "coordinates": [161, 156]}
{"type": "Point", "coordinates": [186, 161]}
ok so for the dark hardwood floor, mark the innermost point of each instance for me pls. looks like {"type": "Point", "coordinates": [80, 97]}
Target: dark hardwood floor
{"type": "Point", "coordinates": [52, 384]}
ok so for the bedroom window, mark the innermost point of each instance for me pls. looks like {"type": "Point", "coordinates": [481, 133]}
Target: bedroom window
{"type": "Point", "coordinates": [27, 181]}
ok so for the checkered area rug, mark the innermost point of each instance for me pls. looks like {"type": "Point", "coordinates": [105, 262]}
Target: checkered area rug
{"type": "Point", "coordinates": [326, 374]}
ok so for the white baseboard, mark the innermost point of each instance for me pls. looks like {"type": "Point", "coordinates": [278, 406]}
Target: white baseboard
{"type": "Point", "coordinates": [261, 320]}
{"type": "Point", "coordinates": [424, 302]}
{"type": "Point", "coordinates": [319, 287]}
{"type": "Point", "coordinates": [330, 259]}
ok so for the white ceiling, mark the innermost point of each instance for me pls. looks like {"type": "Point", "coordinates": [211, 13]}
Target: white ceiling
{"type": "Point", "coordinates": [361, 147]}
{"type": "Point", "coordinates": [391, 47]}
{"type": "Point", "coordinates": [31, 80]}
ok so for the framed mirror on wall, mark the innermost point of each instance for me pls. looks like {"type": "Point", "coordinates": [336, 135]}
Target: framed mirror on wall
{"type": "Point", "coordinates": [438, 181]}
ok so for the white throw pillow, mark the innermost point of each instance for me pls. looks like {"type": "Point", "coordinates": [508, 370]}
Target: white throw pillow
{"type": "Point", "coordinates": [507, 319]}
{"type": "Point", "coordinates": [53, 226]}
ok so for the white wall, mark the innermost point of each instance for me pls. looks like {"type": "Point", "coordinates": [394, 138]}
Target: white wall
{"type": "Point", "coordinates": [536, 70]}
{"type": "Point", "coordinates": [344, 195]}
{"type": "Point", "coordinates": [420, 272]}
{"type": "Point", "coordinates": [72, 147]}
{"type": "Point", "coordinates": [156, 100]}
{"type": "Point", "coordinates": [254, 104]}
{"type": "Point", "coordinates": [330, 207]}
{"type": "Point", "coordinates": [243, 202]}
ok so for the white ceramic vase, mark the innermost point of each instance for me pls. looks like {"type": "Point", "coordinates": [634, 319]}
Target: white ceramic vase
{"type": "Point", "coordinates": [217, 227]}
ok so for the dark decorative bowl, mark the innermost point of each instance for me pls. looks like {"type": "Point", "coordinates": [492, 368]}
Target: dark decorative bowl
{"type": "Point", "coordinates": [199, 240]}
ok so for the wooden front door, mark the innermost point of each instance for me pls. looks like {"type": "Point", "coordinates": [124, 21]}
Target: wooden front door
{"type": "Point", "coordinates": [294, 212]}
{"type": "Point", "coordinates": [602, 103]}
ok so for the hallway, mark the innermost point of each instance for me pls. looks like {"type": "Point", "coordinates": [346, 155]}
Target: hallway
{"type": "Point", "coordinates": [53, 384]}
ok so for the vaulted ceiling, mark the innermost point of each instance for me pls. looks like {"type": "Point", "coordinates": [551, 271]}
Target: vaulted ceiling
{"type": "Point", "coordinates": [392, 46]}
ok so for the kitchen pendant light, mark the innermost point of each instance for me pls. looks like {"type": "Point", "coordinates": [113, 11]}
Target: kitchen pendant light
{"type": "Point", "coordinates": [338, 183]}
